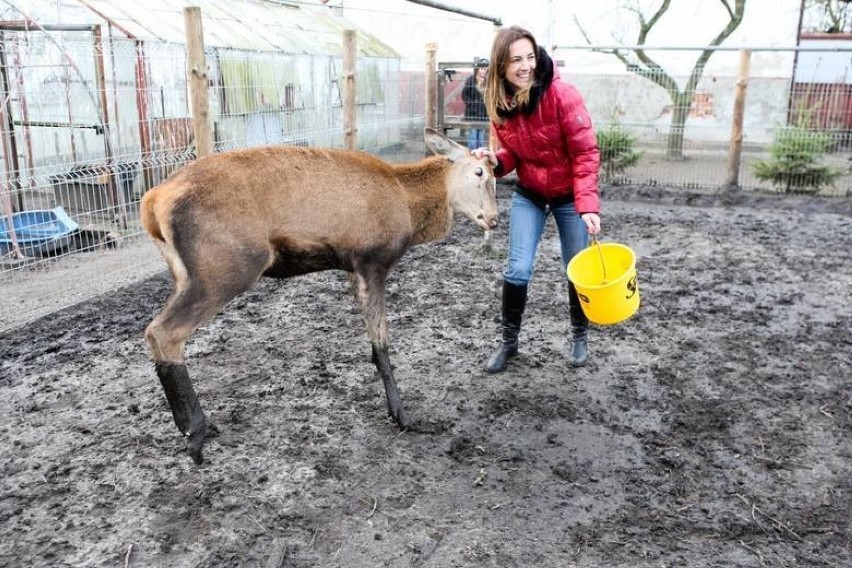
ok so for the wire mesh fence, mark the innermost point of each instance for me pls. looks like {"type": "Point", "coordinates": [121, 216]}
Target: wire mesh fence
{"type": "Point", "coordinates": [90, 123]}
{"type": "Point", "coordinates": [678, 129]}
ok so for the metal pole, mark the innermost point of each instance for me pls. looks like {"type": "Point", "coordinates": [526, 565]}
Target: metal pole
{"type": "Point", "coordinates": [17, 64]}
{"type": "Point", "coordinates": [551, 18]}
{"type": "Point", "coordinates": [10, 146]}
{"type": "Point", "coordinates": [795, 62]}
{"type": "Point", "coordinates": [455, 10]}
{"type": "Point", "coordinates": [10, 151]}
{"type": "Point", "coordinates": [115, 93]}
{"type": "Point", "coordinates": [116, 197]}
{"type": "Point", "coordinates": [142, 95]}
{"type": "Point", "coordinates": [752, 48]}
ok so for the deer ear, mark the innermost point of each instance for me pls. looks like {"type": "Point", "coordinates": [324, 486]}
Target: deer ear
{"type": "Point", "coordinates": [443, 146]}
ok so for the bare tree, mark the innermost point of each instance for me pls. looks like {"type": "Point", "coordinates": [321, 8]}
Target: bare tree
{"type": "Point", "coordinates": [639, 62]}
{"type": "Point", "coordinates": [831, 16]}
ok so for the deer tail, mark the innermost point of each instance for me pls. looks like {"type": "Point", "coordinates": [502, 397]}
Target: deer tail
{"type": "Point", "coordinates": [148, 215]}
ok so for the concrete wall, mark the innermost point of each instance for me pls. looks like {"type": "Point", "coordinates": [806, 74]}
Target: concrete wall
{"type": "Point", "coordinates": [609, 88]}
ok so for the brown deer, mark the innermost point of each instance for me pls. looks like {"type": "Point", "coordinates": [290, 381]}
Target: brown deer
{"type": "Point", "coordinates": [227, 219]}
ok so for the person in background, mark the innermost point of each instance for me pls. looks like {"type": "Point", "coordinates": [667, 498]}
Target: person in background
{"type": "Point", "coordinates": [545, 134]}
{"type": "Point", "coordinates": [473, 93]}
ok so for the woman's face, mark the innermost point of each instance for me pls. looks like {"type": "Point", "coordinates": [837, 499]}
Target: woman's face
{"type": "Point", "coordinates": [519, 71]}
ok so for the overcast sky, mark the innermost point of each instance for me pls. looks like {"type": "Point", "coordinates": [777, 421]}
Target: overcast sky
{"type": "Point", "coordinates": [407, 26]}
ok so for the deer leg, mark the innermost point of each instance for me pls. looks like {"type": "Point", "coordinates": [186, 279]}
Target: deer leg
{"type": "Point", "coordinates": [186, 410]}
{"type": "Point", "coordinates": [370, 291]}
{"type": "Point", "coordinates": [194, 301]}
{"type": "Point", "coordinates": [166, 337]}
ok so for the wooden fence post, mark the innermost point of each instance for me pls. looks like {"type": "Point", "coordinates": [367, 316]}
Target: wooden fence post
{"type": "Point", "coordinates": [431, 69]}
{"type": "Point", "coordinates": [350, 117]}
{"type": "Point", "coordinates": [196, 70]}
{"type": "Point", "coordinates": [735, 151]}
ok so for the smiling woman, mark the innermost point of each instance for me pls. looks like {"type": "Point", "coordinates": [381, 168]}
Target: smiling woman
{"type": "Point", "coordinates": [546, 134]}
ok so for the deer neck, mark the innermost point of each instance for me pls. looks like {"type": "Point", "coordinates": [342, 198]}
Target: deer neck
{"type": "Point", "coordinates": [425, 184]}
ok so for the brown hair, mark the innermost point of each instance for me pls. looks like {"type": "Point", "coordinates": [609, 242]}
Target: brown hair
{"type": "Point", "coordinates": [498, 99]}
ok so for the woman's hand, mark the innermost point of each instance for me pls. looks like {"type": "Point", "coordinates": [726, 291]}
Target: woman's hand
{"type": "Point", "coordinates": [593, 222]}
{"type": "Point", "coordinates": [480, 153]}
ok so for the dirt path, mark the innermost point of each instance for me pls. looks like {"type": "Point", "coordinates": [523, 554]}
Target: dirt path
{"type": "Point", "coordinates": [712, 429]}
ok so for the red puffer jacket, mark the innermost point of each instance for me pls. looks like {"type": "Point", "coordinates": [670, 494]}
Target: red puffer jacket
{"type": "Point", "coordinates": [552, 143]}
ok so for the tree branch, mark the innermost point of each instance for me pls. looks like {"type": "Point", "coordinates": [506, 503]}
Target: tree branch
{"type": "Point", "coordinates": [735, 18]}
{"type": "Point", "coordinates": [645, 27]}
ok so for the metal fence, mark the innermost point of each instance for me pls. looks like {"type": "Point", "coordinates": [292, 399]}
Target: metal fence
{"type": "Point", "coordinates": [89, 125]}
{"type": "Point", "coordinates": [796, 106]}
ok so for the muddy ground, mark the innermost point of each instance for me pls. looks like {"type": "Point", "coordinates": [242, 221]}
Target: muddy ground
{"type": "Point", "coordinates": [710, 430]}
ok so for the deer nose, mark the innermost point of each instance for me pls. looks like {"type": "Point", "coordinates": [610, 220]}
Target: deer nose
{"type": "Point", "coordinates": [490, 221]}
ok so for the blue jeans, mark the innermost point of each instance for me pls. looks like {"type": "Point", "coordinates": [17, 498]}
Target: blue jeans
{"type": "Point", "coordinates": [526, 225]}
{"type": "Point", "coordinates": [476, 139]}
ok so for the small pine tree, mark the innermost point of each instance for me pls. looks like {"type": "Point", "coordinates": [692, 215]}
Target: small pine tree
{"type": "Point", "coordinates": [616, 148]}
{"type": "Point", "coordinates": [794, 159]}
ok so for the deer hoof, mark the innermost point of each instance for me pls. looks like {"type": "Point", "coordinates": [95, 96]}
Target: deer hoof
{"type": "Point", "coordinates": [195, 444]}
{"type": "Point", "coordinates": [401, 417]}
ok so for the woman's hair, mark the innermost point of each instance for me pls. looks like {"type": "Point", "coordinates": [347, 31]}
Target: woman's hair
{"type": "Point", "coordinates": [500, 96]}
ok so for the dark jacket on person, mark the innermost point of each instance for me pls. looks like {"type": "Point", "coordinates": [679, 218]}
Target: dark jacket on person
{"type": "Point", "coordinates": [474, 105]}
{"type": "Point", "coordinates": [551, 143]}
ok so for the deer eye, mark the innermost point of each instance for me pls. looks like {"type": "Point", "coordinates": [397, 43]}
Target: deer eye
{"type": "Point", "coordinates": [478, 171]}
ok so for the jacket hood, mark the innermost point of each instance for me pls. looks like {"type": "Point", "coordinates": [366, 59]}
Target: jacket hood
{"type": "Point", "coordinates": [544, 74]}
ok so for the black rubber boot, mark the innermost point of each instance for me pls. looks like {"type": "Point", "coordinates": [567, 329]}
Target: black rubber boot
{"type": "Point", "coordinates": [578, 353]}
{"type": "Point", "coordinates": [514, 302]}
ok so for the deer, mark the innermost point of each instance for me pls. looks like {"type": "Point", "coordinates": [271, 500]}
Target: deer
{"type": "Point", "coordinates": [227, 219]}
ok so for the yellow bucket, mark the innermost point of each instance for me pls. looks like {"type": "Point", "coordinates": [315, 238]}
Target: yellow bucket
{"type": "Point", "coordinates": [604, 275]}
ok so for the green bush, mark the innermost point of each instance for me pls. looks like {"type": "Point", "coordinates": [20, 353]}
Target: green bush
{"type": "Point", "coordinates": [794, 162]}
{"type": "Point", "coordinates": [616, 148]}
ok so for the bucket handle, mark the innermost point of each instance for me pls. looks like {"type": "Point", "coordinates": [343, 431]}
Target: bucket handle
{"type": "Point", "coordinates": [597, 243]}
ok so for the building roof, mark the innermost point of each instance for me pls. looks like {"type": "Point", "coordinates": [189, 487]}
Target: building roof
{"type": "Point", "coordinates": [261, 25]}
